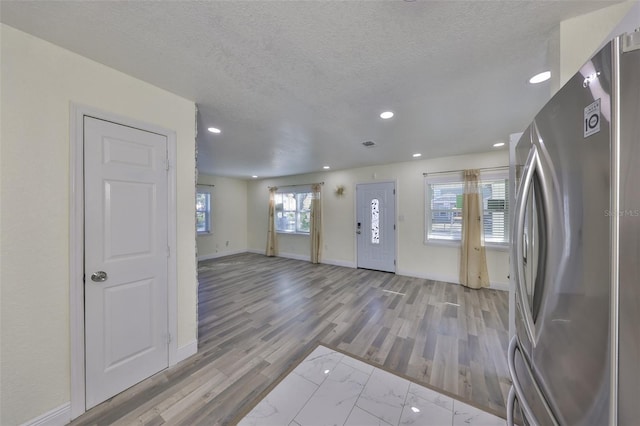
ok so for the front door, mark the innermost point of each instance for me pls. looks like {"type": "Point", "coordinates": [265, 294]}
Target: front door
{"type": "Point", "coordinates": [376, 226]}
{"type": "Point", "coordinates": [126, 224]}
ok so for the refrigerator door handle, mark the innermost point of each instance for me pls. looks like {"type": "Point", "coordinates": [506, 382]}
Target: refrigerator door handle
{"type": "Point", "coordinates": [511, 406]}
{"type": "Point", "coordinates": [518, 249]}
{"type": "Point", "coordinates": [518, 393]}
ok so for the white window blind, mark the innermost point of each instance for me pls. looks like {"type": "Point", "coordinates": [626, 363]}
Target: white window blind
{"type": "Point", "coordinates": [443, 199]}
{"type": "Point", "coordinates": [203, 211]}
{"type": "Point", "coordinates": [293, 209]}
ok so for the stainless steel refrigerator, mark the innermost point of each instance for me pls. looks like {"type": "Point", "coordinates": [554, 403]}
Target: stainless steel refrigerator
{"type": "Point", "coordinates": [575, 358]}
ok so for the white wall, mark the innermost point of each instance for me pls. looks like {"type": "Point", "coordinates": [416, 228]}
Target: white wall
{"type": "Point", "coordinates": [414, 257]}
{"type": "Point", "coordinates": [582, 36]}
{"type": "Point", "coordinates": [39, 81]}
{"type": "Point", "coordinates": [228, 218]}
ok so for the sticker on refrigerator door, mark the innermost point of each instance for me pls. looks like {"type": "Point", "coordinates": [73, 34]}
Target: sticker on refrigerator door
{"type": "Point", "coordinates": [592, 119]}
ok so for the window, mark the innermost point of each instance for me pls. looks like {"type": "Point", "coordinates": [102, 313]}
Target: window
{"type": "Point", "coordinates": [444, 195]}
{"type": "Point", "coordinates": [375, 221]}
{"type": "Point", "coordinates": [203, 211]}
{"type": "Point", "coordinates": [293, 211]}
{"type": "Point", "coordinates": [445, 207]}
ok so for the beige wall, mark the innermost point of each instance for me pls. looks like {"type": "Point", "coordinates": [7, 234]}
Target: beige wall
{"type": "Point", "coordinates": [39, 81]}
{"type": "Point", "coordinates": [575, 40]}
{"type": "Point", "coordinates": [582, 36]}
{"type": "Point", "coordinates": [228, 218]}
{"type": "Point", "coordinates": [414, 257]}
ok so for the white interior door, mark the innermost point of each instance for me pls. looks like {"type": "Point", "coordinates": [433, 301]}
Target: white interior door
{"type": "Point", "coordinates": [126, 219]}
{"type": "Point", "coordinates": [375, 227]}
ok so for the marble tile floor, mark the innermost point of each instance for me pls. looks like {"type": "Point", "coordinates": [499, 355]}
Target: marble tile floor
{"type": "Point", "coordinates": [330, 388]}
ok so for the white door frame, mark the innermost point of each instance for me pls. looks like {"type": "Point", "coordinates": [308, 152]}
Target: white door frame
{"type": "Point", "coordinates": [76, 242]}
{"type": "Point", "coordinates": [355, 219]}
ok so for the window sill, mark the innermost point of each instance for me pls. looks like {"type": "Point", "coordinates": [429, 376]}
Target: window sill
{"type": "Point", "coordinates": [292, 233]}
{"type": "Point", "coordinates": [497, 247]}
{"type": "Point", "coordinates": [457, 243]}
{"type": "Point", "coordinates": [204, 233]}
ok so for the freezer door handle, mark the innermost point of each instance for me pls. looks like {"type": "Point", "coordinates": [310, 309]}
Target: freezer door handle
{"type": "Point", "coordinates": [511, 406]}
{"type": "Point", "coordinates": [518, 393]}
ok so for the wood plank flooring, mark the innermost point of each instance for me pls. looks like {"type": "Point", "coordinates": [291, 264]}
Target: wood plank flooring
{"type": "Point", "coordinates": [258, 316]}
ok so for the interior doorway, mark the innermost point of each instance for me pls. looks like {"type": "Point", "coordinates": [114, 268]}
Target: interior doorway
{"type": "Point", "coordinates": [123, 271]}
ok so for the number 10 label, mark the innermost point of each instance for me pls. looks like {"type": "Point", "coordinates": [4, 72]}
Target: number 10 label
{"type": "Point", "coordinates": [591, 123]}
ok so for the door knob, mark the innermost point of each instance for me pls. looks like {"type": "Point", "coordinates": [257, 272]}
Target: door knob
{"type": "Point", "coordinates": [99, 276]}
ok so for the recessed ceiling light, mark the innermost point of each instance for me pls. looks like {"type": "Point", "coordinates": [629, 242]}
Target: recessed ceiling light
{"type": "Point", "coordinates": [539, 78]}
{"type": "Point", "coordinates": [416, 155]}
{"type": "Point", "coordinates": [254, 176]}
{"type": "Point", "coordinates": [214, 130]}
{"type": "Point", "coordinates": [326, 167]}
{"type": "Point", "coordinates": [386, 115]}
{"type": "Point", "coordinates": [498, 144]}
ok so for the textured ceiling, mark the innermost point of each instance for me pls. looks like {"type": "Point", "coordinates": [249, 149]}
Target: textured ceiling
{"type": "Point", "coordinates": [298, 85]}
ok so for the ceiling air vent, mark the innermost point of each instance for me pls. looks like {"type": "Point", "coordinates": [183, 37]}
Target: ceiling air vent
{"type": "Point", "coordinates": [369, 144]}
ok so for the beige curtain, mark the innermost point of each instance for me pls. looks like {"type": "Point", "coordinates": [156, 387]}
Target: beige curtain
{"type": "Point", "coordinates": [473, 261]}
{"type": "Point", "coordinates": [316, 223]}
{"type": "Point", "coordinates": [272, 239]}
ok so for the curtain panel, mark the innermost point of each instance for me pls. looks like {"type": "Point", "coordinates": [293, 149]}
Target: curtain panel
{"type": "Point", "coordinates": [272, 239]}
{"type": "Point", "coordinates": [316, 223]}
{"type": "Point", "coordinates": [473, 259]}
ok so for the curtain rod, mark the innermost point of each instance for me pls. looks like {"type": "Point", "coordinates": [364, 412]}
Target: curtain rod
{"type": "Point", "coordinates": [298, 184]}
{"type": "Point", "coordinates": [203, 184]}
{"type": "Point", "coordinates": [460, 171]}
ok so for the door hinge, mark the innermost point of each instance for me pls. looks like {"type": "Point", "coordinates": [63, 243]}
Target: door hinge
{"type": "Point", "coordinates": [168, 338]}
{"type": "Point", "coordinates": [394, 192]}
{"type": "Point", "coordinates": [394, 226]}
{"type": "Point", "coordinates": [168, 251]}
{"type": "Point", "coordinates": [394, 262]}
{"type": "Point", "coordinates": [168, 163]}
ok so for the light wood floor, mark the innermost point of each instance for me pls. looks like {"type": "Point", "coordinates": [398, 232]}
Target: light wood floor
{"type": "Point", "coordinates": [258, 316]}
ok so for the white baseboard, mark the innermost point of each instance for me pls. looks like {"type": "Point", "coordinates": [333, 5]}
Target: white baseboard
{"type": "Point", "coordinates": [449, 279]}
{"type": "Point", "coordinates": [306, 258]}
{"type": "Point", "coordinates": [186, 351]}
{"type": "Point", "coordinates": [285, 255]}
{"type": "Point", "coordinates": [345, 263]}
{"type": "Point", "coordinates": [500, 286]}
{"type": "Point", "coordinates": [350, 264]}
{"type": "Point", "coordinates": [57, 417]}
{"type": "Point", "coordinates": [62, 415]}
{"type": "Point", "coordinates": [220, 254]}
{"type": "Point", "coordinates": [295, 256]}
{"type": "Point", "coordinates": [434, 277]}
